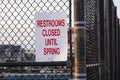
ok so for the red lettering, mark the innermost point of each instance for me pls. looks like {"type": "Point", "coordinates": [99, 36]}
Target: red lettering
{"type": "Point", "coordinates": [51, 51]}
{"type": "Point", "coordinates": [51, 41]}
{"type": "Point", "coordinates": [51, 23]}
{"type": "Point", "coordinates": [51, 32]}
{"type": "Point", "coordinates": [39, 23]}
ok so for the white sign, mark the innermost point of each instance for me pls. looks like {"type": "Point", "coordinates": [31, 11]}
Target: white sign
{"type": "Point", "coordinates": [51, 36]}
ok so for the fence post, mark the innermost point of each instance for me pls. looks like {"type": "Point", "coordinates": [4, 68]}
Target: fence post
{"type": "Point", "coordinates": [70, 40]}
{"type": "Point", "coordinates": [80, 41]}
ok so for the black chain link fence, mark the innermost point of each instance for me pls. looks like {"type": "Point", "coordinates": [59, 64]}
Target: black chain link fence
{"type": "Point", "coordinates": [17, 40]}
{"type": "Point", "coordinates": [92, 40]}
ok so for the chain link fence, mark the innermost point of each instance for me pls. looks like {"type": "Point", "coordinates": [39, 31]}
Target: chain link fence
{"type": "Point", "coordinates": [17, 19]}
{"type": "Point", "coordinates": [92, 40]}
{"type": "Point", "coordinates": [17, 40]}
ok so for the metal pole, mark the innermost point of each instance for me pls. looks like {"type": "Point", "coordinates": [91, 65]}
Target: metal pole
{"type": "Point", "coordinates": [70, 22]}
{"type": "Point", "coordinates": [80, 41]}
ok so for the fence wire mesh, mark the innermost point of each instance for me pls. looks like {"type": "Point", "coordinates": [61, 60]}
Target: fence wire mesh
{"type": "Point", "coordinates": [17, 39]}
{"type": "Point", "coordinates": [92, 39]}
{"type": "Point", "coordinates": [17, 19]}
